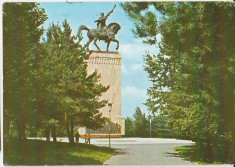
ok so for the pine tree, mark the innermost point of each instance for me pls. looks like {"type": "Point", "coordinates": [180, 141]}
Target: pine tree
{"type": "Point", "coordinates": [21, 35]}
{"type": "Point", "coordinates": [73, 94]}
{"type": "Point", "coordinates": [129, 130]}
{"type": "Point", "coordinates": [160, 127]}
{"type": "Point", "coordinates": [140, 123]}
{"type": "Point", "coordinates": [196, 65]}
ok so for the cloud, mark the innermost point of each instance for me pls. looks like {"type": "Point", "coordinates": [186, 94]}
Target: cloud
{"type": "Point", "coordinates": [135, 51]}
{"type": "Point", "coordinates": [133, 92]}
{"type": "Point", "coordinates": [131, 98]}
{"type": "Point", "coordinates": [136, 67]}
{"type": "Point", "coordinates": [124, 69]}
{"type": "Point", "coordinates": [131, 69]}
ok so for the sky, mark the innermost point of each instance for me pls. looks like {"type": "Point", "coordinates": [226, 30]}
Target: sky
{"type": "Point", "coordinates": [134, 80]}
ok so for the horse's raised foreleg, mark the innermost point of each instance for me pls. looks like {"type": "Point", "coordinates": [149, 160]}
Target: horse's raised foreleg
{"type": "Point", "coordinates": [108, 46]}
{"type": "Point", "coordinates": [95, 40]}
{"type": "Point", "coordinates": [114, 40]}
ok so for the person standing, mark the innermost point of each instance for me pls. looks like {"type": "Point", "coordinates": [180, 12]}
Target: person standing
{"type": "Point", "coordinates": [77, 137]}
{"type": "Point", "coordinates": [85, 137]}
{"type": "Point", "coordinates": [89, 138]}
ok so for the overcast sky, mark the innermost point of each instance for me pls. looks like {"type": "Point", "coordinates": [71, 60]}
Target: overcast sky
{"type": "Point", "coordinates": [134, 79]}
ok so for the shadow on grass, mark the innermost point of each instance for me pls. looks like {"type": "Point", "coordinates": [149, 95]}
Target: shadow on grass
{"type": "Point", "coordinates": [35, 152]}
{"type": "Point", "coordinates": [179, 156]}
{"type": "Point", "coordinates": [186, 153]}
{"type": "Point", "coordinates": [190, 153]}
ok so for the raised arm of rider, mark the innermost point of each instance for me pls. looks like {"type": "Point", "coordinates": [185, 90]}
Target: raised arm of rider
{"type": "Point", "coordinates": [107, 15]}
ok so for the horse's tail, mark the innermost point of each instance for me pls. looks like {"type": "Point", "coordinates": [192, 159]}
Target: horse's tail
{"type": "Point", "coordinates": [82, 27]}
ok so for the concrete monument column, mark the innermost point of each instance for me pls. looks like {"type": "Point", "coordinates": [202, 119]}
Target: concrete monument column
{"type": "Point", "coordinates": [108, 65]}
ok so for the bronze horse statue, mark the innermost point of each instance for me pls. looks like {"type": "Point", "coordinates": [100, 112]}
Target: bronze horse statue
{"type": "Point", "coordinates": [107, 34]}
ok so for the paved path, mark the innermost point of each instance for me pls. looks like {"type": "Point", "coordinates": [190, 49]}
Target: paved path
{"type": "Point", "coordinates": [145, 151]}
{"type": "Point", "coordinates": [147, 154]}
{"type": "Point", "coordinates": [142, 151]}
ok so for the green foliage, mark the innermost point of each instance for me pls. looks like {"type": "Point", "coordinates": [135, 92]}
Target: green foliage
{"type": "Point", "coordinates": [139, 126]}
{"type": "Point", "coordinates": [73, 94]}
{"type": "Point", "coordinates": [33, 152]}
{"type": "Point", "coordinates": [129, 129]}
{"type": "Point", "coordinates": [46, 85]}
{"type": "Point", "coordinates": [192, 154]}
{"type": "Point", "coordinates": [21, 35]}
{"type": "Point", "coordinates": [193, 75]}
{"type": "Point", "coordinates": [160, 127]}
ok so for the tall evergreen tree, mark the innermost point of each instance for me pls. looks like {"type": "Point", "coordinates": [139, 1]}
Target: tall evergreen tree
{"type": "Point", "coordinates": [73, 94]}
{"type": "Point", "coordinates": [160, 127]}
{"type": "Point", "coordinates": [140, 124]}
{"type": "Point", "coordinates": [21, 36]}
{"type": "Point", "coordinates": [196, 64]}
{"type": "Point", "coordinates": [129, 129]}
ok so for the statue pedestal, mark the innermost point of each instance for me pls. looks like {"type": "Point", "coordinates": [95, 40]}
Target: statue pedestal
{"type": "Point", "coordinates": [108, 65]}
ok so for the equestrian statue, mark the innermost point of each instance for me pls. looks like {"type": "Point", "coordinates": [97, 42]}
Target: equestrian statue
{"type": "Point", "coordinates": [103, 32]}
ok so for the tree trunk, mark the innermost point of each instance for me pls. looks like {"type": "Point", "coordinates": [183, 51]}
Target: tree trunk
{"type": "Point", "coordinates": [68, 132]}
{"type": "Point", "coordinates": [54, 134]}
{"type": "Point", "coordinates": [47, 134]}
{"type": "Point", "coordinates": [69, 129]}
{"type": "Point", "coordinates": [21, 130]}
{"type": "Point", "coordinates": [71, 134]}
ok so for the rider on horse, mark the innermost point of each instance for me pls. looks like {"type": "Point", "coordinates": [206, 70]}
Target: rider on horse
{"type": "Point", "coordinates": [101, 22]}
{"type": "Point", "coordinates": [102, 32]}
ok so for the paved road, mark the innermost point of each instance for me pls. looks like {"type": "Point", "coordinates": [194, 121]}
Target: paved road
{"type": "Point", "coordinates": [145, 151]}
{"type": "Point", "coordinates": [147, 154]}
{"type": "Point", "coordinates": [142, 151]}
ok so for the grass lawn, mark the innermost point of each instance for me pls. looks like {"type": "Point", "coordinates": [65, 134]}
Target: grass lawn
{"type": "Point", "coordinates": [189, 153]}
{"type": "Point", "coordinates": [36, 152]}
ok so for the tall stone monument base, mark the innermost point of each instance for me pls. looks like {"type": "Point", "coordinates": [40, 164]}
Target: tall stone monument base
{"type": "Point", "coordinates": [108, 65]}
